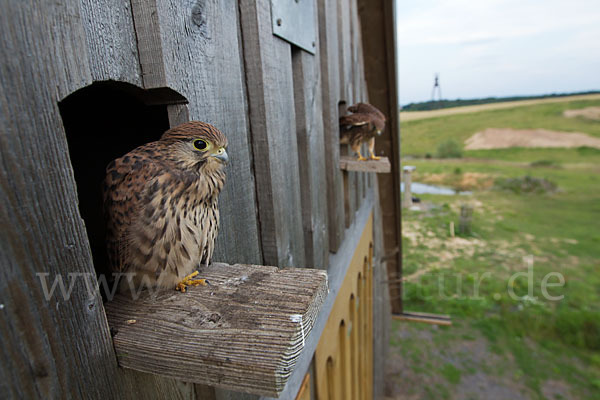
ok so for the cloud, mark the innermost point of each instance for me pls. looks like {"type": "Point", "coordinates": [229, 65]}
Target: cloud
{"type": "Point", "coordinates": [497, 47]}
{"type": "Point", "coordinates": [437, 22]}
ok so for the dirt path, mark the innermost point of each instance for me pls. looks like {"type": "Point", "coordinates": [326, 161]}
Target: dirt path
{"type": "Point", "coordinates": [414, 115]}
{"type": "Point", "coordinates": [592, 113]}
{"type": "Point", "coordinates": [494, 138]}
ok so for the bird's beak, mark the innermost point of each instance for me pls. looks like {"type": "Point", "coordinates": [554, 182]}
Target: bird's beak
{"type": "Point", "coordinates": [222, 156]}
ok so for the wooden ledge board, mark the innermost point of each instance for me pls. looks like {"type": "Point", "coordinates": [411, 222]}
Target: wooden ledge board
{"type": "Point", "coordinates": [350, 163]}
{"type": "Point", "coordinates": [243, 332]}
{"type": "Point", "coordinates": [434, 319]}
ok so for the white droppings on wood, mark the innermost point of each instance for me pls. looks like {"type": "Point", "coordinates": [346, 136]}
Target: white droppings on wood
{"type": "Point", "coordinates": [298, 318]}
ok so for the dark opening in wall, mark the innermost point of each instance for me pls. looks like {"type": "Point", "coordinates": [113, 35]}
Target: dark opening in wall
{"type": "Point", "coordinates": [104, 121]}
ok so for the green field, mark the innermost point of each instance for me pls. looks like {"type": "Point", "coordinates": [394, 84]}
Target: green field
{"type": "Point", "coordinates": [510, 338]}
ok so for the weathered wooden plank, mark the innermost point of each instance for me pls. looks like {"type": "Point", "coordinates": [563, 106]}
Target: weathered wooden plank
{"type": "Point", "coordinates": [346, 98]}
{"type": "Point", "coordinates": [199, 42]}
{"type": "Point", "coordinates": [328, 51]}
{"type": "Point", "coordinates": [147, 30]}
{"type": "Point", "coordinates": [36, 363]}
{"type": "Point", "coordinates": [350, 163]}
{"type": "Point", "coordinates": [178, 114]}
{"type": "Point", "coordinates": [377, 22]}
{"type": "Point", "coordinates": [424, 318]}
{"type": "Point", "coordinates": [268, 67]}
{"type": "Point", "coordinates": [56, 347]}
{"type": "Point", "coordinates": [244, 331]}
{"type": "Point", "coordinates": [311, 155]}
{"type": "Point", "coordinates": [355, 71]}
{"type": "Point", "coordinates": [349, 198]}
{"type": "Point", "coordinates": [346, 93]}
{"type": "Point", "coordinates": [111, 41]}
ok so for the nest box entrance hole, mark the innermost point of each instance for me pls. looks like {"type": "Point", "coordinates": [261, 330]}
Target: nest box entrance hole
{"type": "Point", "coordinates": [102, 122]}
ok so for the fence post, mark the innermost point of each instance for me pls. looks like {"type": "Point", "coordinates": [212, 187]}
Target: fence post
{"type": "Point", "coordinates": [407, 178]}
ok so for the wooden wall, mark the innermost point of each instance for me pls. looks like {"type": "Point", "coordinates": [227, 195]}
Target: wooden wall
{"type": "Point", "coordinates": [286, 203]}
{"type": "Point", "coordinates": [378, 21]}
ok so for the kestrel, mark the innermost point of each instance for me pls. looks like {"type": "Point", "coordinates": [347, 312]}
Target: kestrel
{"type": "Point", "coordinates": [361, 126]}
{"type": "Point", "coordinates": [161, 206]}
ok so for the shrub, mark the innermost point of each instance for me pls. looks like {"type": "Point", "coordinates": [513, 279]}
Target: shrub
{"type": "Point", "coordinates": [525, 184]}
{"type": "Point", "coordinates": [578, 328]}
{"type": "Point", "coordinates": [545, 163]}
{"type": "Point", "coordinates": [449, 149]}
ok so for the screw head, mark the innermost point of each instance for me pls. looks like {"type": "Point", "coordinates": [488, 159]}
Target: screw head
{"type": "Point", "coordinates": [279, 21]}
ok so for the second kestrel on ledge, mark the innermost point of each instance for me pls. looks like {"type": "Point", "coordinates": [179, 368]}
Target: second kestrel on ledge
{"type": "Point", "coordinates": [363, 125]}
{"type": "Point", "coordinates": [161, 206]}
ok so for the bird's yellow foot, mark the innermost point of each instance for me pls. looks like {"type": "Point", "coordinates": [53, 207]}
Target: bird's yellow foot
{"type": "Point", "coordinates": [361, 158]}
{"type": "Point", "coordinates": [375, 157]}
{"type": "Point", "coordinates": [189, 281]}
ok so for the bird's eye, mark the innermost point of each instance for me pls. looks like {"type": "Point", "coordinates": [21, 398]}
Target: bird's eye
{"type": "Point", "coordinates": [200, 144]}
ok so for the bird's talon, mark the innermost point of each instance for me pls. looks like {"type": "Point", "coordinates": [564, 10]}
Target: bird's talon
{"type": "Point", "coordinates": [188, 281]}
{"type": "Point", "coordinates": [361, 158]}
{"type": "Point", "coordinates": [375, 158]}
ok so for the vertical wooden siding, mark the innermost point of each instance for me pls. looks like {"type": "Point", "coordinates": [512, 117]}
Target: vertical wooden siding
{"type": "Point", "coordinates": [268, 66]}
{"type": "Point", "coordinates": [283, 203]}
{"type": "Point", "coordinates": [377, 18]}
{"type": "Point", "coordinates": [328, 51]}
{"type": "Point", "coordinates": [200, 43]}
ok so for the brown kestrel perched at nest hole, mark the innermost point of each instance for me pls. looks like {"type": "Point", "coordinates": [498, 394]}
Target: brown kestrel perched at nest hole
{"type": "Point", "coordinates": [361, 126]}
{"type": "Point", "coordinates": [161, 206]}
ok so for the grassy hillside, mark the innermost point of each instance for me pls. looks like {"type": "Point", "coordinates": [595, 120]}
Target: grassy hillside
{"type": "Point", "coordinates": [421, 137]}
{"type": "Point", "coordinates": [439, 104]}
{"type": "Point", "coordinates": [529, 345]}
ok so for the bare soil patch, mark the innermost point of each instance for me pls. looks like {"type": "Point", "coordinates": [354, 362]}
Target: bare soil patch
{"type": "Point", "coordinates": [462, 182]}
{"type": "Point", "coordinates": [592, 113]}
{"type": "Point", "coordinates": [494, 138]}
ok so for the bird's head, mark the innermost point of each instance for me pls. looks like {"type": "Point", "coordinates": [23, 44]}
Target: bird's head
{"type": "Point", "coordinates": [196, 144]}
{"type": "Point", "coordinates": [379, 125]}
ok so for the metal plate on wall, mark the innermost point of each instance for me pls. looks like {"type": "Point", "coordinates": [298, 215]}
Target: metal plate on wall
{"type": "Point", "coordinates": [295, 22]}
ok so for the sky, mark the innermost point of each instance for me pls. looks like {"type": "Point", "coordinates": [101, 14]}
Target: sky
{"type": "Point", "coordinates": [497, 48]}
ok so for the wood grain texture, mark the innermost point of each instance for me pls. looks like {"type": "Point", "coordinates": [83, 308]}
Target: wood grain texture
{"type": "Point", "coordinates": [111, 41]}
{"type": "Point", "coordinates": [147, 29]}
{"type": "Point", "coordinates": [378, 27]}
{"type": "Point", "coordinates": [350, 163]}
{"type": "Point", "coordinates": [349, 198]}
{"type": "Point", "coordinates": [346, 98]}
{"type": "Point", "coordinates": [55, 346]}
{"type": "Point", "coordinates": [244, 331]}
{"type": "Point", "coordinates": [328, 51]}
{"type": "Point", "coordinates": [268, 67]}
{"type": "Point", "coordinates": [51, 348]}
{"type": "Point", "coordinates": [345, 76]}
{"type": "Point", "coordinates": [178, 114]}
{"type": "Point", "coordinates": [43, 357]}
{"type": "Point", "coordinates": [355, 77]}
{"type": "Point", "coordinates": [200, 45]}
{"type": "Point", "coordinates": [311, 155]}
